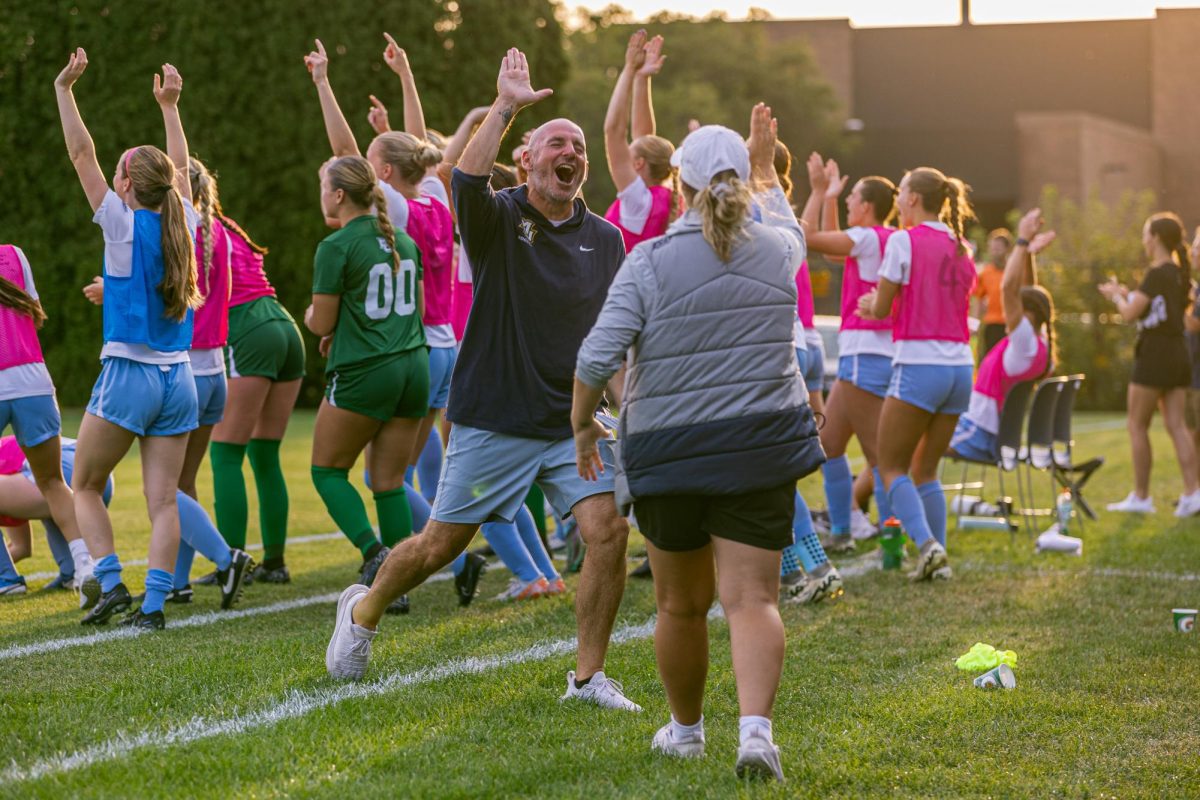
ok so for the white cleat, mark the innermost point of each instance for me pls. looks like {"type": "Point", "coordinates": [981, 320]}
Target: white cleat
{"type": "Point", "coordinates": [930, 564]}
{"type": "Point", "coordinates": [861, 527]}
{"type": "Point", "coordinates": [1133, 505]}
{"type": "Point", "coordinates": [601, 690]}
{"type": "Point", "coordinates": [1189, 505]}
{"type": "Point", "coordinates": [758, 758]}
{"type": "Point", "coordinates": [665, 742]}
{"type": "Point", "coordinates": [350, 647]}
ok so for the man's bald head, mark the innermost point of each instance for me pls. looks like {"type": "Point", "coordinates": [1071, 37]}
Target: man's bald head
{"type": "Point", "coordinates": [556, 160]}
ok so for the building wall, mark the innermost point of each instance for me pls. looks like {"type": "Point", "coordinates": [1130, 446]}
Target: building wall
{"type": "Point", "coordinates": [1176, 119]}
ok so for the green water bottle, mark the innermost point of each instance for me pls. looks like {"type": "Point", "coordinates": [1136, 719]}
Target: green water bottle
{"type": "Point", "coordinates": [892, 544]}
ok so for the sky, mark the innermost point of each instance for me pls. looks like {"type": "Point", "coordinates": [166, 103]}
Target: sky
{"type": "Point", "coordinates": [866, 13]}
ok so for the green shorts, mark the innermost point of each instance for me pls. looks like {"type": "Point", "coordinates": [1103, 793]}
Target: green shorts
{"type": "Point", "coordinates": [396, 386]}
{"type": "Point", "coordinates": [264, 342]}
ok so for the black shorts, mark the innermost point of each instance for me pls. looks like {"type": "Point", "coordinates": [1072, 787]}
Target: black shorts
{"type": "Point", "coordinates": [678, 523]}
{"type": "Point", "coordinates": [1162, 362]}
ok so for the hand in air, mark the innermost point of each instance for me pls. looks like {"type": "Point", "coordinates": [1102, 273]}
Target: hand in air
{"type": "Point", "coordinates": [75, 66]}
{"type": "Point", "coordinates": [763, 133]}
{"type": "Point", "coordinates": [817, 177]}
{"type": "Point", "coordinates": [1030, 229]}
{"type": "Point", "coordinates": [168, 86]}
{"type": "Point", "coordinates": [378, 116]}
{"type": "Point", "coordinates": [635, 51]}
{"type": "Point", "coordinates": [395, 57]}
{"type": "Point", "coordinates": [318, 63]}
{"type": "Point", "coordinates": [837, 181]}
{"type": "Point", "coordinates": [94, 291]}
{"type": "Point", "coordinates": [654, 57]}
{"type": "Point", "coordinates": [512, 84]}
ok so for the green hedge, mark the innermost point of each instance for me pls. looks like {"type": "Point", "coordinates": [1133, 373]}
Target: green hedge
{"type": "Point", "coordinates": [250, 111]}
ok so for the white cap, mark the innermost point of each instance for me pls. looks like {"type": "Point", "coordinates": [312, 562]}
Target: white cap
{"type": "Point", "coordinates": [708, 151]}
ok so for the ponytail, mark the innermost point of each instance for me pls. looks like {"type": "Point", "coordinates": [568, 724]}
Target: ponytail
{"type": "Point", "coordinates": [355, 176]}
{"type": "Point", "coordinates": [16, 298]}
{"type": "Point", "coordinates": [1168, 228]}
{"type": "Point", "coordinates": [384, 223]}
{"type": "Point", "coordinates": [724, 209]}
{"type": "Point", "coordinates": [204, 197]}
{"type": "Point", "coordinates": [1037, 301]}
{"type": "Point", "coordinates": [153, 177]}
{"type": "Point", "coordinates": [946, 197]}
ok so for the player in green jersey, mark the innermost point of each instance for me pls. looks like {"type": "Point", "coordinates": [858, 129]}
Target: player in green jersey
{"type": "Point", "coordinates": [367, 304]}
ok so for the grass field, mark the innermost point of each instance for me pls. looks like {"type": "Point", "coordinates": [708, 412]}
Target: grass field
{"type": "Point", "coordinates": [464, 703]}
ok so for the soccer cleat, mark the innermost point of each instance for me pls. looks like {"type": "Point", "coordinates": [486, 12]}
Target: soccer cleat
{"type": "Point", "coordinates": [524, 590]}
{"type": "Point", "coordinates": [62, 582]}
{"type": "Point", "coordinates": [943, 573]}
{"type": "Point", "coordinates": [838, 543]}
{"type": "Point", "coordinates": [758, 759]}
{"type": "Point", "coordinates": [180, 596]}
{"type": "Point", "coordinates": [370, 567]}
{"type": "Point", "coordinates": [557, 586]}
{"type": "Point", "coordinates": [261, 574]}
{"type": "Point", "coordinates": [820, 521]}
{"type": "Point", "coordinates": [89, 592]}
{"type": "Point", "coordinates": [350, 646]}
{"type": "Point", "coordinates": [642, 570]}
{"type": "Point", "coordinates": [398, 606]}
{"type": "Point", "coordinates": [861, 527]}
{"type": "Point", "coordinates": [665, 742]}
{"type": "Point", "coordinates": [466, 583]}
{"type": "Point", "coordinates": [601, 690]}
{"type": "Point", "coordinates": [1133, 504]}
{"type": "Point", "coordinates": [233, 579]}
{"type": "Point", "coordinates": [791, 581]}
{"type": "Point", "coordinates": [1188, 505]}
{"type": "Point", "coordinates": [109, 603]}
{"type": "Point", "coordinates": [929, 562]}
{"type": "Point", "coordinates": [154, 621]}
{"type": "Point", "coordinates": [827, 587]}
{"type": "Point", "coordinates": [14, 588]}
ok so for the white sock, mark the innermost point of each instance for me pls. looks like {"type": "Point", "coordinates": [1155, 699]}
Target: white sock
{"type": "Point", "coordinates": [79, 554]}
{"type": "Point", "coordinates": [748, 726]}
{"type": "Point", "coordinates": [680, 731]}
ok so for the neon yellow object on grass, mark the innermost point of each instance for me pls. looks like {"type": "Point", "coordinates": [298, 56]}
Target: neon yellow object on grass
{"type": "Point", "coordinates": [983, 657]}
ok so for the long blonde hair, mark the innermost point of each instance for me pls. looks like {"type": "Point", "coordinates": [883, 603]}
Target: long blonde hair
{"type": "Point", "coordinates": [355, 176]}
{"type": "Point", "coordinates": [657, 152]}
{"type": "Point", "coordinates": [153, 177]}
{"type": "Point", "coordinates": [408, 155]}
{"type": "Point", "coordinates": [724, 209]}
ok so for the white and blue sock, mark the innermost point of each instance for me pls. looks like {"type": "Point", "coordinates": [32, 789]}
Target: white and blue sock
{"type": "Point", "coordinates": [108, 572]}
{"type": "Point", "coordinates": [527, 530]}
{"type": "Point", "coordinates": [505, 540]}
{"type": "Point", "coordinates": [196, 529]}
{"type": "Point", "coordinates": [839, 493]}
{"type": "Point", "coordinates": [808, 547]}
{"type": "Point", "coordinates": [158, 583]}
{"type": "Point", "coordinates": [908, 508]}
{"type": "Point", "coordinates": [933, 498]}
{"type": "Point", "coordinates": [882, 501]}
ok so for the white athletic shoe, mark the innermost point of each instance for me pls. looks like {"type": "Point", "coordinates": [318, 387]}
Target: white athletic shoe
{"type": "Point", "coordinates": [758, 757]}
{"type": "Point", "coordinates": [828, 587]}
{"type": "Point", "coordinates": [350, 647]}
{"type": "Point", "coordinates": [930, 564]}
{"type": "Point", "coordinates": [601, 690]}
{"type": "Point", "coordinates": [1189, 505]}
{"type": "Point", "coordinates": [1133, 505]}
{"type": "Point", "coordinates": [665, 742]}
{"type": "Point", "coordinates": [14, 588]}
{"type": "Point", "coordinates": [861, 526]}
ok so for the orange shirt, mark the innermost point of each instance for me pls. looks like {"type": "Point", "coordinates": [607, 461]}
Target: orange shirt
{"type": "Point", "coordinates": [988, 287]}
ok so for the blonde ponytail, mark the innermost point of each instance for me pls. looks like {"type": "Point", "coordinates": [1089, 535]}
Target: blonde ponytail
{"type": "Point", "coordinates": [408, 155]}
{"type": "Point", "coordinates": [153, 177]}
{"type": "Point", "coordinates": [946, 197]}
{"type": "Point", "coordinates": [724, 209]}
{"type": "Point", "coordinates": [385, 225]}
{"type": "Point", "coordinates": [204, 197]}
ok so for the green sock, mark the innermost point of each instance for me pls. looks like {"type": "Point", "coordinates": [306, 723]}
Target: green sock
{"type": "Point", "coordinates": [345, 506]}
{"type": "Point", "coordinates": [536, 502]}
{"type": "Point", "coordinates": [395, 516]}
{"type": "Point", "coordinates": [272, 495]}
{"type": "Point", "coordinates": [229, 489]}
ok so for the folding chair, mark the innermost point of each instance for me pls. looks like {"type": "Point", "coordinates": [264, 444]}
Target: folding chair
{"type": "Point", "coordinates": [1008, 447]}
{"type": "Point", "coordinates": [1067, 473]}
{"type": "Point", "coordinates": [1039, 445]}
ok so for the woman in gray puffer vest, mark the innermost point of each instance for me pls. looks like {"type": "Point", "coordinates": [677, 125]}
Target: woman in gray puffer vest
{"type": "Point", "coordinates": [715, 429]}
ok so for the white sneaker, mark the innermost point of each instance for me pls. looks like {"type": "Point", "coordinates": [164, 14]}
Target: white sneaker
{"type": "Point", "coordinates": [1052, 541]}
{"type": "Point", "coordinates": [758, 757]}
{"type": "Point", "coordinates": [350, 647]}
{"type": "Point", "coordinates": [1189, 505]}
{"type": "Point", "coordinates": [860, 525]}
{"type": "Point", "coordinates": [828, 587]}
{"type": "Point", "coordinates": [1133, 505]}
{"type": "Point", "coordinates": [601, 690]}
{"type": "Point", "coordinates": [665, 742]}
{"type": "Point", "coordinates": [930, 563]}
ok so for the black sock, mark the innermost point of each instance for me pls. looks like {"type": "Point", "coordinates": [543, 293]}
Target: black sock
{"type": "Point", "coordinates": [270, 564]}
{"type": "Point", "coordinates": [579, 684]}
{"type": "Point", "coordinates": [372, 551]}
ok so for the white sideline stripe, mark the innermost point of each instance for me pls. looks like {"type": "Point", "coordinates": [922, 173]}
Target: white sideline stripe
{"type": "Point", "coordinates": [297, 704]}
{"type": "Point", "coordinates": [141, 562]}
{"type": "Point", "coordinates": [196, 620]}
{"type": "Point", "coordinates": [1089, 572]}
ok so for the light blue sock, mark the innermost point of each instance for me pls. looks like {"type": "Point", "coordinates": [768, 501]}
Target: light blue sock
{"type": "Point", "coordinates": [429, 466]}
{"type": "Point", "coordinates": [907, 507]}
{"type": "Point", "coordinates": [108, 572]}
{"type": "Point", "coordinates": [59, 548]}
{"type": "Point", "coordinates": [8, 570]}
{"type": "Point", "coordinates": [933, 497]}
{"type": "Point", "coordinates": [839, 493]}
{"type": "Point", "coordinates": [882, 501]}
{"type": "Point", "coordinates": [183, 563]}
{"type": "Point", "coordinates": [410, 476]}
{"type": "Point", "coordinates": [158, 583]}
{"type": "Point", "coordinates": [790, 562]}
{"type": "Point", "coordinates": [533, 543]}
{"type": "Point", "coordinates": [808, 546]}
{"type": "Point", "coordinates": [420, 508]}
{"type": "Point", "coordinates": [198, 531]}
{"type": "Point", "coordinates": [505, 540]}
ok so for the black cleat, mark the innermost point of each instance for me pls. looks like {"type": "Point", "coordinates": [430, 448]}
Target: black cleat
{"type": "Point", "coordinates": [398, 606]}
{"type": "Point", "coordinates": [263, 575]}
{"type": "Point", "coordinates": [466, 583]}
{"type": "Point", "coordinates": [370, 567]}
{"type": "Point", "coordinates": [233, 579]}
{"type": "Point", "coordinates": [154, 621]}
{"type": "Point", "coordinates": [89, 592]}
{"type": "Point", "coordinates": [642, 570]}
{"type": "Point", "coordinates": [110, 603]}
{"type": "Point", "coordinates": [61, 583]}
{"type": "Point", "coordinates": [177, 596]}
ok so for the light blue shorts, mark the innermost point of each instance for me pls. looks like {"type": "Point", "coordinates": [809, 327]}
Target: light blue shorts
{"type": "Point", "coordinates": [812, 368]}
{"type": "Point", "coordinates": [146, 399]}
{"type": "Point", "coordinates": [441, 368]}
{"type": "Point", "coordinates": [972, 442]}
{"type": "Point", "coordinates": [870, 372]}
{"type": "Point", "coordinates": [34, 419]}
{"type": "Point", "coordinates": [936, 388]}
{"type": "Point", "coordinates": [486, 476]}
{"type": "Point", "coordinates": [210, 398]}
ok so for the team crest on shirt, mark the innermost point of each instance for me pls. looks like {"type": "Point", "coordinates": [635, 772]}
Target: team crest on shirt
{"type": "Point", "coordinates": [527, 231]}
{"type": "Point", "coordinates": [383, 244]}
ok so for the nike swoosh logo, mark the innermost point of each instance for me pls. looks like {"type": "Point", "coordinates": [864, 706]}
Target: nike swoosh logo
{"type": "Point", "coordinates": [583, 249]}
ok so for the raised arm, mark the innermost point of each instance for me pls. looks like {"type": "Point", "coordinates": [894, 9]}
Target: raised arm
{"type": "Point", "coordinates": [167, 88]}
{"type": "Point", "coordinates": [643, 104]}
{"type": "Point", "coordinates": [80, 147]}
{"type": "Point", "coordinates": [513, 92]}
{"type": "Point", "coordinates": [456, 144]}
{"type": "Point", "coordinates": [837, 184]}
{"type": "Point", "coordinates": [414, 115]}
{"type": "Point", "coordinates": [341, 138]}
{"type": "Point", "coordinates": [616, 119]}
{"type": "Point", "coordinates": [819, 181]}
{"type": "Point", "coordinates": [1019, 270]}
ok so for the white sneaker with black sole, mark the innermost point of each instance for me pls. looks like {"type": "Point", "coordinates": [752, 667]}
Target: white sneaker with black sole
{"type": "Point", "coordinates": [349, 648]}
{"type": "Point", "coordinates": [601, 690]}
{"type": "Point", "coordinates": [665, 742]}
{"type": "Point", "coordinates": [758, 758]}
